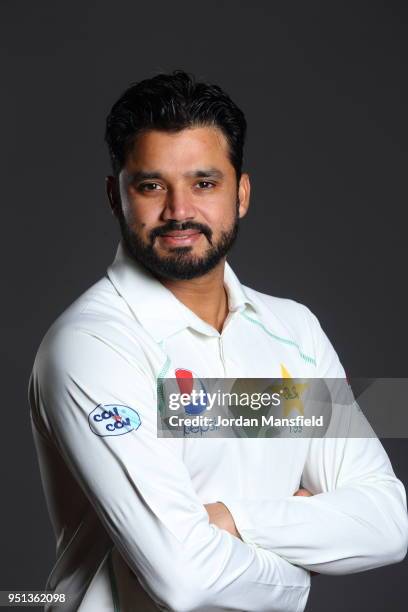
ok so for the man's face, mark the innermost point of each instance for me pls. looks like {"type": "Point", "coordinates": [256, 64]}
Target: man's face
{"type": "Point", "coordinates": [180, 203]}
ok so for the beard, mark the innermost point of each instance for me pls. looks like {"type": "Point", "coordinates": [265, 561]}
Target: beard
{"type": "Point", "coordinates": [180, 264]}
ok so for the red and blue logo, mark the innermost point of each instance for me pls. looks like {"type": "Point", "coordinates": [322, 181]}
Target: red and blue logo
{"type": "Point", "coordinates": [188, 382]}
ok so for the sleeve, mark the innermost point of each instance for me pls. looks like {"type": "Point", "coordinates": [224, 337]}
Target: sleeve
{"type": "Point", "coordinates": [141, 489]}
{"type": "Point", "coordinates": [357, 517]}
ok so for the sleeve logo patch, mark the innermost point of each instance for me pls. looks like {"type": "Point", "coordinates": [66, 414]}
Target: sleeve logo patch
{"type": "Point", "coordinates": [113, 420]}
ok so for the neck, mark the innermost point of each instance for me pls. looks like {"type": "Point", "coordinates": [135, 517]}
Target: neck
{"type": "Point", "coordinates": [205, 296]}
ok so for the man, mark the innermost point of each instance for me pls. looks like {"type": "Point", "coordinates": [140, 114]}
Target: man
{"type": "Point", "coordinates": [144, 522]}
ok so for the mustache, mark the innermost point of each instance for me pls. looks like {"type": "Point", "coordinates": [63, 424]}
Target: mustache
{"type": "Point", "coordinates": [172, 226]}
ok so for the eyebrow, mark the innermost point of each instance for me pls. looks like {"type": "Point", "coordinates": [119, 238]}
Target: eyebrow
{"type": "Point", "coordinates": [141, 175]}
{"type": "Point", "coordinates": [207, 173]}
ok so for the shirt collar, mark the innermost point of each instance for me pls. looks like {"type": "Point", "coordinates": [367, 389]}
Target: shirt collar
{"type": "Point", "coordinates": [156, 307]}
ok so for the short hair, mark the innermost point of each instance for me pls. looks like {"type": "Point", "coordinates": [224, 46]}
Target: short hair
{"type": "Point", "coordinates": [172, 102]}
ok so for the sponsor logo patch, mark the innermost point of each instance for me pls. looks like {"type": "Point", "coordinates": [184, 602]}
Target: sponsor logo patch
{"type": "Point", "coordinates": [113, 420]}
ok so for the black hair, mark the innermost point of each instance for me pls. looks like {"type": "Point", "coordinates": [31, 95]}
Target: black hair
{"type": "Point", "coordinates": [172, 102]}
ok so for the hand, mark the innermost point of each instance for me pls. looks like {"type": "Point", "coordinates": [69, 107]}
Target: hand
{"type": "Point", "coordinates": [220, 515]}
{"type": "Point", "coordinates": [305, 493]}
{"type": "Point", "coordinates": [302, 493]}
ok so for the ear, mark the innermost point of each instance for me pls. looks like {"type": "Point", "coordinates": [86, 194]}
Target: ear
{"type": "Point", "coordinates": [112, 190]}
{"type": "Point", "coordinates": [244, 192]}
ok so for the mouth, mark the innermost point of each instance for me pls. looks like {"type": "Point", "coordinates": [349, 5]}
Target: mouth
{"type": "Point", "coordinates": [180, 238]}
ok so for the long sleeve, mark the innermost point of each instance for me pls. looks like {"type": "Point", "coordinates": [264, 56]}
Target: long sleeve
{"type": "Point", "coordinates": [141, 489]}
{"type": "Point", "coordinates": [357, 517]}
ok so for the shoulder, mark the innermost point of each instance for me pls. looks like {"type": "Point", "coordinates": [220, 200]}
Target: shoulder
{"type": "Point", "coordinates": [286, 314]}
{"type": "Point", "coordinates": [94, 353]}
{"type": "Point", "coordinates": [294, 321]}
{"type": "Point", "coordinates": [98, 328]}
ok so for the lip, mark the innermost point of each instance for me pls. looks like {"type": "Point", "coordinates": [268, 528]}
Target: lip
{"type": "Point", "coordinates": [181, 238]}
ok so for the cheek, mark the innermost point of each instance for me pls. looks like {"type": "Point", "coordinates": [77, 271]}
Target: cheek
{"type": "Point", "coordinates": [218, 212]}
{"type": "Point", "coordinates": [222, 220]}
{"type": "Point", "coordinates": [139, 217]}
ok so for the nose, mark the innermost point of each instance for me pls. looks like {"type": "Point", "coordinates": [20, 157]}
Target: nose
{"type": "Point", "coordinates": [178, 205]}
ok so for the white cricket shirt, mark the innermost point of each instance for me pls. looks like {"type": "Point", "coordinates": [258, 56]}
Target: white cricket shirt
{"type": "Point", "coordinates": [131, 530]}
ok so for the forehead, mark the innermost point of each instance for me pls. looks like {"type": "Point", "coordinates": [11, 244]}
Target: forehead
{"type": "Point", "coordinates": [186, 148]}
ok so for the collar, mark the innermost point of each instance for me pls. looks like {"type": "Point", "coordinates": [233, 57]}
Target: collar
{"type": "Point", "coordinates": [156, 307]}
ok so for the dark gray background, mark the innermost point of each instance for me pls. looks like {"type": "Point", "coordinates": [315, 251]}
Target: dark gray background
{"type": "Point", "coordinates": [324, 89]}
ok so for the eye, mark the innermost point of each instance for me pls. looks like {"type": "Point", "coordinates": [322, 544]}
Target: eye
{"type": "Point", "coordinates": [205, 185]}
{"type": "Point", "coordinates": [149, 187]}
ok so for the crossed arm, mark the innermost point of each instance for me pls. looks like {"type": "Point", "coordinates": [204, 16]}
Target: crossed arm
{"type": "Point", "coordinates": [219, 515]}
{"type": "Point", "coordinates": [350, 516]}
